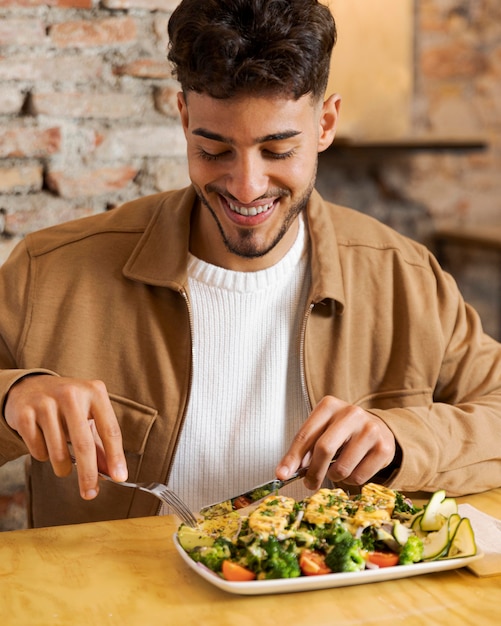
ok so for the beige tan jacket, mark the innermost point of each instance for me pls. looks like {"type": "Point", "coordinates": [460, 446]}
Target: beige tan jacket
{"type": "Point", "coordinates": [106, 297]}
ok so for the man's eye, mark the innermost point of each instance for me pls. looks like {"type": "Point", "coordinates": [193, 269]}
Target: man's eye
{"type": "Point", "coordinates": [209, 156]}
{"type": "Point", "coordinates": [279, 155]}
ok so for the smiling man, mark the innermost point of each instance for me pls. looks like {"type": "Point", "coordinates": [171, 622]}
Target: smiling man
{"type": "Point", "coordinates": [214, 336]}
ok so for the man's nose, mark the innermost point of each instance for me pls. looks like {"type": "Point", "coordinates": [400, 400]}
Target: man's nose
{"type": "Point", "coordinates": [248, 179]}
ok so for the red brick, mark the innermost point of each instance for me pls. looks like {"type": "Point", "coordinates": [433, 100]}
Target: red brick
{"type": "Point", "coordinates": [59, 4]}
{"type": "Point", "coordinates": [7, 502]}
{"type": "Point", "coordinates": [83, 183]}
{"type": "Point", "coordinates": [151, 5]}
{"type": "Point", "coordinates": [21, 179]}
{"type": "Point", "coordinates": [456, 60]}
{"type": "Point", "coordinates": [29, 142]}
{"type": "Point", "coordinates": [73, 69]}
{"type": "Point", "coordinates": [11, 100]}
{"type": "Point", "coordinates": [144, 68]}
{"type": "Point", "coordinates": [86, 105]}
{"type": "Point", "coordinates": [166, 100]}
{"type": "Point", "coordinates": [87, 33]}
{"type": "Point", "coordinates": [144, 141]}
{"type": "Point", "coordinates": [38, 210]}
{"type": "Point", "coordinates": [21, 32]}
{"type": "Point", "coordinates": [160, 23]}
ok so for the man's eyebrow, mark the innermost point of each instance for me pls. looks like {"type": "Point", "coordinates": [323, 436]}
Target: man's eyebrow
{"type": "Point", "coordinates": [281, 136]}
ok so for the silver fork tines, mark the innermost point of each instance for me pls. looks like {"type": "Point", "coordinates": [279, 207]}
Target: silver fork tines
{"type": "Point", "coordinates": [160, 491]}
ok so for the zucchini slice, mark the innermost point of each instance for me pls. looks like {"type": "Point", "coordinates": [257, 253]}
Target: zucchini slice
{"type": "Point", "coordinates": [463, 541]}
{"type": "Point", "coordinates": [436, 544]}
{"type": "Point", "coordinates": [437, 511]}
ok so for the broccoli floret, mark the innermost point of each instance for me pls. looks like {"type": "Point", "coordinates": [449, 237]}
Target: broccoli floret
{"type": "Point", "coordinates": [412, 551]}
{"type": "Point", "coordinates": [252, 555]}
{"type": "Point", "coordinates": [212, 556]}
{"type": "Point", "coordinates": [326, 533]}
{"type": "Point", "coordinates": [269, 558]}
{"type": "Point", "coordinates": [305, 538]}
{"type": "Point", "coordinates": [281, 560]}
{"type": "Point", "coordinates": [345, 554]}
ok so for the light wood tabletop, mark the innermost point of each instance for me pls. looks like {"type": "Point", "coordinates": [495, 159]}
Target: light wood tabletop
{"type": "Point", "coordinates": [128, 572]}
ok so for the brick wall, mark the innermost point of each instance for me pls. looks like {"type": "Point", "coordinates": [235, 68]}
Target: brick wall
{"type": "Point", "coordinates": [88, 116]}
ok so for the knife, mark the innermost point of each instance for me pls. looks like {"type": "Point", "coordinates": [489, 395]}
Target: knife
{"type": "Point", "coordinates": [253, 495]}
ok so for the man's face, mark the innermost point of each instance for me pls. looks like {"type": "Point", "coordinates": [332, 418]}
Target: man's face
{"type": "Point", "coordinates": [253, 162]}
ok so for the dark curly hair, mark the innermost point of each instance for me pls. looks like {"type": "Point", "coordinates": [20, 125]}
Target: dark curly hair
{"type": "Point", "coordinates": [225, 48]}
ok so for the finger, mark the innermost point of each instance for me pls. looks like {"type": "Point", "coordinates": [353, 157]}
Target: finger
{"type": "Point", "coordinates": [56, 440]}
{"type": "Point", "coordinates": [305, 442]}
{"type": "Point", "coordinates": [48, 426]}
{"type": "Point", "coordinates": [75, 406]}
{"type": "Point", "coordinates": [84, 451]}
{"type": "Point", "coordinates": [108, 434]}
{"type": "Point", "coordinates": [364, 455]}
{"type": "Point", "coordinates": [100, 453]}
{"type": "Point", "coordinates": [331, 443]}
{"type": "Point", "coordinates": [22, 418]}
{"type": "Point", "coordinates": [29, 431]}
{"type": "Point", "coordinates": [348, 438]}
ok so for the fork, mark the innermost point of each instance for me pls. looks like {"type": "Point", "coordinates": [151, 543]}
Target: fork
{"type": "Point", "coordinates": [160, 491]}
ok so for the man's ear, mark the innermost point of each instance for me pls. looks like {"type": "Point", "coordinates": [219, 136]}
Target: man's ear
{"type": "Point", "coordinates": [183, 110]}
{"type": "Point", "coordinates": [328, 121]}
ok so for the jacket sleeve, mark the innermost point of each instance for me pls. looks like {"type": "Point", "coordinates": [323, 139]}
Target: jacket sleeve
{"type": "Point", "coordinates": [454, 443]}
{"type": "Point", "coordinates": [15, 297]}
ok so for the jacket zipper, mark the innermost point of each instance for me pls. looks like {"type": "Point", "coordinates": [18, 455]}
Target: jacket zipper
{"type": "Point", "coordinates": [302, 340]}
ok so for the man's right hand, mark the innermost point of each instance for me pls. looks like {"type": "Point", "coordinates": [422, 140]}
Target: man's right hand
{"type": "Point", "coordinates": [49, 412]}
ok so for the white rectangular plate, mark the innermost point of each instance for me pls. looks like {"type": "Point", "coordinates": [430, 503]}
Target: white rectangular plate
{"type": "Point", "coordinates": [326, 581]}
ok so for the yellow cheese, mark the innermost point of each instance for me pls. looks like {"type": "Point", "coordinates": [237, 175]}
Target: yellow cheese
{"type": "Point", "coordinates": [272, 516]}
{"type": "Point", "coordinates": [326, 505]}
{"type": "Point", "coordinates": [375, 505]}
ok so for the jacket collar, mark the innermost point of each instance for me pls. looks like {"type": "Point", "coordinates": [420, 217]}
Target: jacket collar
{"type": "Point", "coordinates": [161, 256]}
{"type": "Point", "coordinates": [327, 278]}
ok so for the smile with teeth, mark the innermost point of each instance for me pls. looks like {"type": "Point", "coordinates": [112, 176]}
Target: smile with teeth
{"type": "Point", "coordinates": [250, 211]}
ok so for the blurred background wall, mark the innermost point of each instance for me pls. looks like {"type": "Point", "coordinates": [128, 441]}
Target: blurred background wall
{"type": "Point", "coordinates": [88, 120]}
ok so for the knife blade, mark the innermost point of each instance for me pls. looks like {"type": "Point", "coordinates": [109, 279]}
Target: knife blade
{"type": "Point", "coordinates": [252, 496]}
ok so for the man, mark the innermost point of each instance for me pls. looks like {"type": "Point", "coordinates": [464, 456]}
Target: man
{"type": "Point", "coordinates": [241, 327]}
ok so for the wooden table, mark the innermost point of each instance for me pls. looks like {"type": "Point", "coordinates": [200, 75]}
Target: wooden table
{"type": "Point", "coordinates": [128, 572]}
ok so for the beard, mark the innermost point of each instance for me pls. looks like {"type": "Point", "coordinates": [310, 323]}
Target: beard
{"type": "Point", "coordinates": [245, 243]}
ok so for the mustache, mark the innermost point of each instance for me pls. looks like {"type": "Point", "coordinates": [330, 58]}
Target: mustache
{"type": "Point", "coordinates": [276, 192]}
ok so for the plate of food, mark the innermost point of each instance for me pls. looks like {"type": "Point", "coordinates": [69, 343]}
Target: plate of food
{"type": "Point", "coordinates": [329, 539]}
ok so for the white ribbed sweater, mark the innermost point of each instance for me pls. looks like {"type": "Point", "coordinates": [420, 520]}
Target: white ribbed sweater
{"type": "Point", "coordinates": [246, 400]}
